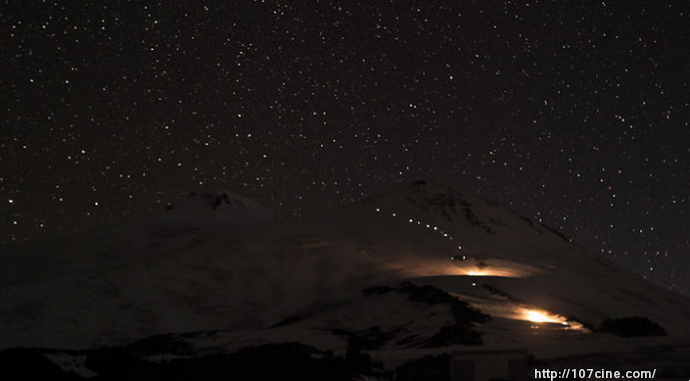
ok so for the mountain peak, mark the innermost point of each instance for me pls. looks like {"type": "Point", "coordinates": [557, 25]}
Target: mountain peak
{"type": "Point", "coordinates": [218, 206]}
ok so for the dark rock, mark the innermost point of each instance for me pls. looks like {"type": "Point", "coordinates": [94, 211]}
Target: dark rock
{"type": "Point", "coordinates": [633, 326]}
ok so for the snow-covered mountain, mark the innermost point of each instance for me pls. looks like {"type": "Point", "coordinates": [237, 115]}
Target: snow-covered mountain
{"type": "Point", "coordinates": [419, 270]}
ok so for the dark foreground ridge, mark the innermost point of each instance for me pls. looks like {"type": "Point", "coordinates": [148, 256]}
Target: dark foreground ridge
{"type": "Point", "coordinates": [286, 361]}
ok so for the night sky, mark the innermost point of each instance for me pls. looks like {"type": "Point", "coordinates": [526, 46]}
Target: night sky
{"type": "Point", "coordinates": [574, 113]}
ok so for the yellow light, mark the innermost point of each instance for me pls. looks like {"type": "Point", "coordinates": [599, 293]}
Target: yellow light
{"type": "Point", "coordinates": [540, 317]}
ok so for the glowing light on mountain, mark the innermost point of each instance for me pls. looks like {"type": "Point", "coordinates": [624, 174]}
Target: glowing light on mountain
{"type": "Point", "coordinates": [478, 273]}
{"type": "Point", "coordinates": [497, 271]}
{"type": "Point", "coordinates": [537, 316]}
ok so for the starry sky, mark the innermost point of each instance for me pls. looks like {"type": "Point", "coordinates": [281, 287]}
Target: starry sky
{"type": "Point", "coordinates": [574, 113]}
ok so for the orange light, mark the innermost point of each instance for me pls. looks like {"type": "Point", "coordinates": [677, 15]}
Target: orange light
{"type": "Point", "coordinates": [477, 273]}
